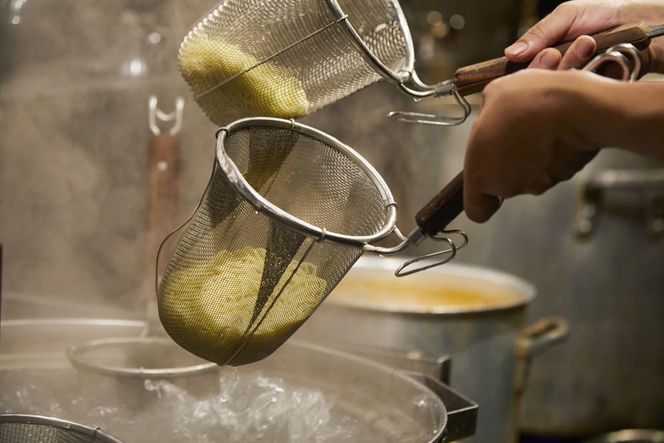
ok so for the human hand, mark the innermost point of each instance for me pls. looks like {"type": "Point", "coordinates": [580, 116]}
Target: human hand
{"type": "Point", "coordinates": [529, 136]}
{"type": "Point", "coordinates": [575, 20]}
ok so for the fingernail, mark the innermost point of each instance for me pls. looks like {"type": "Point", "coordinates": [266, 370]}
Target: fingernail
{"type": "Point", "coordinates": [549, 60]}
{"type": "Point", "coordinates": [517, 48]}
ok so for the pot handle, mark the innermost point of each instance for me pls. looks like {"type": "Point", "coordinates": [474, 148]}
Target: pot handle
{"type": "Point", "coordinates": [536, 339]}
{"type": "Point", "coordinates": [461, 412]}
{"type": "Point", "coordinates": [541, 336]}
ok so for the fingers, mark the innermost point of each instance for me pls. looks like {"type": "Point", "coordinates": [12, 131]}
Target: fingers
{"type": "Point", "coordinates": [480, 202]}
{"type": "Point", "coordinates": [576, 57]}
{"type": "Point", "coordinates": [549, 31]}
{"type": "Point", "coordinates": [480, 207]}
{"type": "Point", "coordinates": [547, 59]}
{"type": "Point", "coordinates": [579, 54]}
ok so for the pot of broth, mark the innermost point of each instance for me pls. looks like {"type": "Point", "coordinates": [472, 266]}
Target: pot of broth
{"type": "Point", "coordinates": [474, 315]}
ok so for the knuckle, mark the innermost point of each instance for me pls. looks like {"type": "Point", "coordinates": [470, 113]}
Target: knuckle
{"type": "Point", "coordinates": [567, 8]}
{"type": "Point", "coordinates": [496, 88]}
{"type": "Point", "coordinates": [538, 189]}
{"type": "Point", "coordinates": [538, 32]}
{"type": "Point", "coordinates": [492, 88]}
{"type": "Point", "coordinates": [543, 184]}
{"type": "Point", "coordinates": [510, 191]}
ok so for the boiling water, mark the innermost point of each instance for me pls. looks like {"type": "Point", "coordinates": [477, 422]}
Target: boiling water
{"type": "Point", "coordinates": [245, 407]}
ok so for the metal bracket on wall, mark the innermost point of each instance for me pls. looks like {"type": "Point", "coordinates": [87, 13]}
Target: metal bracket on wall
{"type": "Point", "coordinates": [643, 200]}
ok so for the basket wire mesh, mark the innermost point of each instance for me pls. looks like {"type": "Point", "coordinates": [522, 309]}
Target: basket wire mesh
{"type": "Point", "coordinates": [288, 58]}
{"type": "Point", "coordinates": [19, 428]}
{"type": "Point", "coordinates": [240, 281]}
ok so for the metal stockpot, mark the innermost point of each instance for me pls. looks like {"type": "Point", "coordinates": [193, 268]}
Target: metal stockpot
{"type": "Point", "coordinates": [595, 252]}
{"type": "Point", "coordinates": [481, 327]}
{"type": "Point", "coordinates": [379, 403]}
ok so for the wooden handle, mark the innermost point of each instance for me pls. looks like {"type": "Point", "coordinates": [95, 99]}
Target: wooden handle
{"type": "Point", "coordinates": [474, 78]}
{"type": "Point", "coordinates": [443, 208]}
{"type": "Point", "coordinates": [162, 199]}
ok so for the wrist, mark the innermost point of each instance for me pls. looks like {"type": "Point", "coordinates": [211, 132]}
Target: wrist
{"type": "Point", "coordinates": [582, 110]}
{"type": "Point", "coordinates": [610, 113]}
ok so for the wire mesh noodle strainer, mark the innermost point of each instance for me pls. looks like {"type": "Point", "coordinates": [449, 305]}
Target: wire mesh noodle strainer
{"type": "Point", "coordinates": [287, 212]}
{"type": "Point", "coordinates": [288, 58]}
{"type": "Point", "coordinates": [20, 428]}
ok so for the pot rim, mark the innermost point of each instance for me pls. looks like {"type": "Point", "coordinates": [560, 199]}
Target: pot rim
{"type": "Point", "coordinates": [75, 356]}
{"type": "Point", "coordinates": [381, 368]}
{"type": "Point", "coordinates": [525, 290]}
{"type": "Point", "coordinates": [346, 358]}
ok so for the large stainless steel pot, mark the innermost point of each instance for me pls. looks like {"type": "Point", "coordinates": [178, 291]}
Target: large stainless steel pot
{"type": "Point", "coordinates": [474, 315]}
{"type": "Point", "coordinates": [358, 400]}
{"type": "Point", "coordinates": [595, 254]}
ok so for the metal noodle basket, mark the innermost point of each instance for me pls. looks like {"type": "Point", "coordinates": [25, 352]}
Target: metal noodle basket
{"type": "Point", "coordinates": [117, 369]}
{"type": "Point", "coordinates": [290, 58]}
{"type": "Point", "coordinates": [287, 212]}
{"type": "Point", "coordinates": [20, 428]}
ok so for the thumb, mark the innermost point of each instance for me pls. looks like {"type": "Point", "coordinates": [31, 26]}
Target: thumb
{"type": "Point", "coordinates": [480, 207]}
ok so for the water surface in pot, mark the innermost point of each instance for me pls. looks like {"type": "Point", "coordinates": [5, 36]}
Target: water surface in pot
{"type": "Point", "coordinates": [241, 407]}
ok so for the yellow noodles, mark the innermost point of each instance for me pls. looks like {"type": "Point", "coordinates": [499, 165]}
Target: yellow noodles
{"type": "Point", "coordinates": [267, 89]}
{"type": "Point", "coordinates": [207, 307]}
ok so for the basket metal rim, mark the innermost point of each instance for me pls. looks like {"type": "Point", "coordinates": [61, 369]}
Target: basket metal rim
{"type": "Point", "coordinates": [372, 59]}
{"type": "Point", "coordinates": [58, 423]}
{"type": "Point", "coordinates": [73, 354]}
{"type": "Point", "coordinates": [263, 205]}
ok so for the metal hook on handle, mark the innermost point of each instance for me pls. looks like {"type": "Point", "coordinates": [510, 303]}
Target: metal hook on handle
{"type": "Point", "coordinates": [432, 221]}
{"type": "Point", "coordinates": [156, 114]}
{"type": "Point", "coordinates": [416, 88]}
{"type": "Point", "coordinates": [451, 252]}
{"type": "Point", "coordinates": [625, 55]}
{"type": "Point", "coordinates": [436, 120]}
{"type": "Point", "coordinates": [458, 232]}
